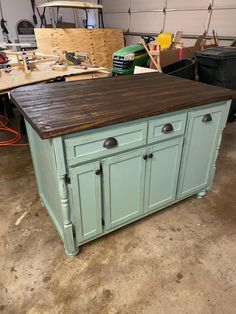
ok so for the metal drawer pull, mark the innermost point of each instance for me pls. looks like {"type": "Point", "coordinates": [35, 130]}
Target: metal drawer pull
{"type": "Point", "coordinates": [111, 142]}
{"type": "Point", "coordinates": [98, 172]}
{"type": "Point", "coordinates": [167, 128]}
{"type": "Point", "coordinates": [150, 156]}
{"type": "Point", "coordinates": [207, 118]}
{"type": "Point", "coordinates": [145, 157]}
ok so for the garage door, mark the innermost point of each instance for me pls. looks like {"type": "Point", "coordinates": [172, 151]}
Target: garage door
{"type": "Point", "coordinates": [153, 16]}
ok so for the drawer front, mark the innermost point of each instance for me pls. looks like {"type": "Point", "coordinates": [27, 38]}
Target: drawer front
{"type": "Point", "coordinates": [160, 129]}
{"type": "Point", "coordinates": [104, 143]}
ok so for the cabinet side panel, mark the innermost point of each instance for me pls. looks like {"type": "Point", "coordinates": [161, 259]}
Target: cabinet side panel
{"type": "Point", "coordinates": [46, 175]}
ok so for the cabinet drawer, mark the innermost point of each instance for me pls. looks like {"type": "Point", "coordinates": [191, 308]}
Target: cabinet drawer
{"type": "Point", "coordinates": [167, 127]}
{"type": "Point", "coordinates": [82, 148]}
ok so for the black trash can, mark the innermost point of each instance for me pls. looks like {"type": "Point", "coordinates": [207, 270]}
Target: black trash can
{"type": "Point", "coordinates": [217, 66]}
{"type": "Point", "coordinates": [184, 68]}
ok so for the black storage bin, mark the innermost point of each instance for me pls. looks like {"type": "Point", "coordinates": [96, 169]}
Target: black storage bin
{"type": "Point", "coordinates": [184, 68]}
{"type": "Point", "coordinates": [217, 66]}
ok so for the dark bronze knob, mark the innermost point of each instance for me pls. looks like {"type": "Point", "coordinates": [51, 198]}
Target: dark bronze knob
{"type": "Point", "coordinates": [109, 143]}
{"type": "Point", "coordinates": [150, 156]}
{"type": "Point", "coordinates": [207, 118]}
{"type": "Point", "coordinates": [98, 172]}
{"type": "Point", "coordinates": [167, 128]}
{"type": "Point", "coordinates": [145, 157]}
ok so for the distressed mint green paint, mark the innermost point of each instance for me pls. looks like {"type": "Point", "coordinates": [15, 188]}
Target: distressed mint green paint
{"type": "Point", "coordinates": [130, 187]}
{"type": "Point", "coordinates": [49, 165]}
{"type": "Point", "coordinates": [224, 121]}
{"type": "Point", "coordinates": [200, 149]}
{"type": "Point", "coordinates": [86, 198]}
{"type": "Point", "coordinates": [162, 174]}
{"type": "Point", "coordinates": [45, 168]}
{"type": "Point", "coordinates": [87, 147]}
{"type": "Point", "coordinates": [123, 178]}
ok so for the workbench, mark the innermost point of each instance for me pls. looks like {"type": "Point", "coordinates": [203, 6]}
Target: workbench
{"type": "Point", "coordinates": [110, 151]}
{"type": "Point", "coordinates": [45, 73]}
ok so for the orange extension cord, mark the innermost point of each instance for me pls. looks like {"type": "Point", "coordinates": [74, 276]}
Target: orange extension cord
{"type": "Point", "coordinates": [4, 127]}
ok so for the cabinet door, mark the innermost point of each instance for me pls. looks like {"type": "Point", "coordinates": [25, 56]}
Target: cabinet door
{"type": "Point", "coordinates": [203, 135]}
{"type": "Point", "coordinates": [123, 177]}
{"type": "Point", "coordinates": [86, 201]}
{"type": "Point", "coordinates": [162, 173]}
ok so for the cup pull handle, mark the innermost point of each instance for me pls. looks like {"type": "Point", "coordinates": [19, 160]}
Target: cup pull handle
{"type": "Point", "coordinates": [167, 128]}
{"type": "Point", "coordinates": [109, 143]}
{"type": "Point", "coordinates": [207, 118]}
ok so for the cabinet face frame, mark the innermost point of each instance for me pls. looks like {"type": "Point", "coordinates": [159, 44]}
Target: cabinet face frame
{"type": "Point", "coordinates": [103, 184]}
{"type": "Point", "coordinates": [124, 159]}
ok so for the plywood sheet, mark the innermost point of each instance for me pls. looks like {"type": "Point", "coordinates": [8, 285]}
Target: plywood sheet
{"type": "Point", "coordinates": [44, 72]}
{"type": "Point", "coordinates": [99, 44]}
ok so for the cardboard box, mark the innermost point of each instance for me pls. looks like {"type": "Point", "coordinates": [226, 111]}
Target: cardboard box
{"type": "Point", "coordinates": [170, 56]}
{"type": "Point", "coordinates": [174, 54]}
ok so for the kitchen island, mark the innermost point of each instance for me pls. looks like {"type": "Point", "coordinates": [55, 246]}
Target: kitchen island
{"type": "Point", "coordinates": [110, 151]}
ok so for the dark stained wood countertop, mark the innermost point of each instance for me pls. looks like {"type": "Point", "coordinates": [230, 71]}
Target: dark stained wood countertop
{"type": "Point", "coordinates": [66, 107]}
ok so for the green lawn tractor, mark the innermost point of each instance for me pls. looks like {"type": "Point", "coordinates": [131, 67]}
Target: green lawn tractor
{"type": "Point", "coordinates": [125, 59]}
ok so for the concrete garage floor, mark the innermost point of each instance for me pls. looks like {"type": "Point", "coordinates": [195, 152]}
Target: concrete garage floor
{"type": "Point", "coordinates": [180, 260]}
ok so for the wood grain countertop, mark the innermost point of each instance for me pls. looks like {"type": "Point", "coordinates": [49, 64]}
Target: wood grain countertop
{"type": "Point", "coordinates": [66, 107]}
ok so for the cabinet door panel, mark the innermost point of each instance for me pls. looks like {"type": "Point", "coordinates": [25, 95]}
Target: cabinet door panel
{"type": "Point", "coordinates": [199, 153]}
{"type": "Point", "coordinates": [123, 177]}
{"type": "Point", "coordinates": [86, 200]}
{"type": "Point", "coordinates": [162, 174]}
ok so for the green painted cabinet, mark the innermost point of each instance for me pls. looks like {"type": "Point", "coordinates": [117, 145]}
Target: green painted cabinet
{"type": "Point", "coordinates": [148, 165]}
{"type": "Point", "coordinates": [162, 173]}
{"type": "Point", "coordinates": [86, 200]}
{"type": "Point", "coordinates": [123, 178]}
{"type": "Point", "coordinates": [203, 133]}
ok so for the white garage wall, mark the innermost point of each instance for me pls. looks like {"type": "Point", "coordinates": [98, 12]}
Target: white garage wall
{"type": "Point", "coordinates": [15, 10]}
{"type": "Point", "coordinates": [189, 22]}
{"type": "Point", "coordinates": [188, 5]}
{"type": "Point", "coordinates": [147, 21]}
{"type": "Point", "coordinates": [153, 16]}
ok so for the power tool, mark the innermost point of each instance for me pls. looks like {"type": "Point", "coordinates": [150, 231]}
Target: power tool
{"type": "Point", "coordinates": [3, 58]}
{"type": "Point", "coordinates": [75, 57]}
